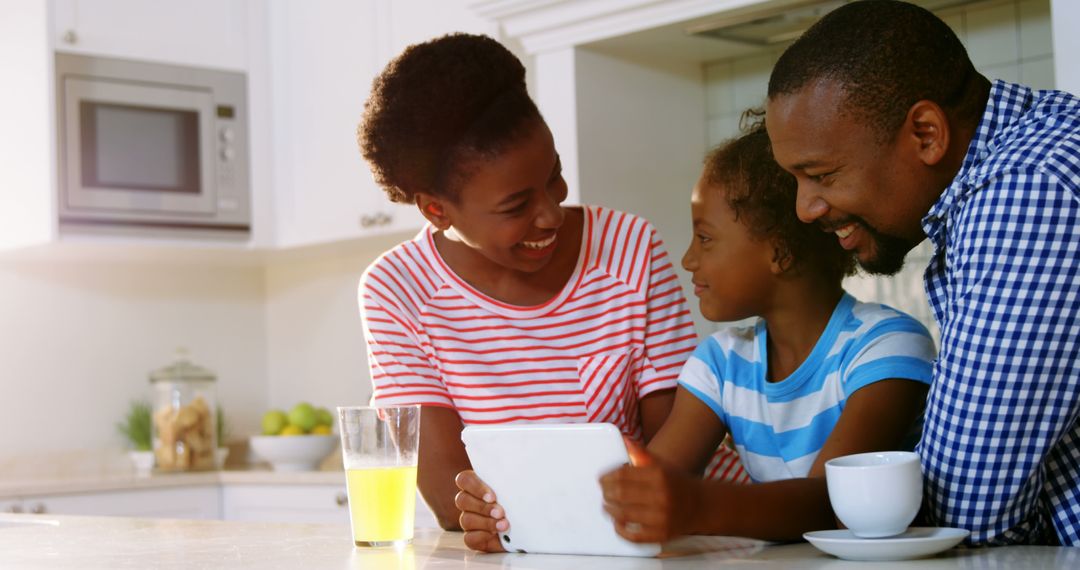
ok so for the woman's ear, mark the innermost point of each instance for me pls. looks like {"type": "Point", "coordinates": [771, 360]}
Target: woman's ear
{"type": "Point", "coordinates": [929, 127]}
{"type": "Point", "coordinates": [433, 209]}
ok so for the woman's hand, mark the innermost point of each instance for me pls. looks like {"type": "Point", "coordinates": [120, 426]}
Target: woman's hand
{"type": "Point", "coordinates": [650, 503]}
{"type": "Point", "coordinates": [482, 518]}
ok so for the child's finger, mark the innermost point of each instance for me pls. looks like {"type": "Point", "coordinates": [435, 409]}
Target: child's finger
{"type": "Point", "coordinates": [637, 532]}
{"type": "Point", "coordinates": [638, 456]}
{"type": "Point", "coordinates": [471, 483]}
{"type": "Point", "coordinates": [629, 485]}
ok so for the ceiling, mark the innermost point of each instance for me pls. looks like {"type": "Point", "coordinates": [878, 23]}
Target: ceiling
{"type": "Point", "coordinates": [678, 44]}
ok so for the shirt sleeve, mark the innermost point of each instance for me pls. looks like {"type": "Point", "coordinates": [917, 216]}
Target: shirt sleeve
{"type": "Point", "coordinates": [896, 348]}
{"type": "Point", "coordinates": [700, 377]}
{"type": "Point", "coordinates": [999, 447]}
{"type": "Point", "coordinates": [401, 371]}
{"type": "Point", "coordinates": [669, 330]}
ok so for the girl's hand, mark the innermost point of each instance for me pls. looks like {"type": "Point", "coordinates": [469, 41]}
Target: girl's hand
{"type": "Point", "coordinates": [650, 503]}
{"type": "Point", "coordinates": [481, 518]}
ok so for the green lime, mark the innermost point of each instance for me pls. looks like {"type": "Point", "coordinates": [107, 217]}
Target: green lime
{"type": "Point", "coordinates": [273, 422]}
{"type": "Point", "coordinates": [324, 417]}
{"type": "Point", "coordinates": [303, 416]}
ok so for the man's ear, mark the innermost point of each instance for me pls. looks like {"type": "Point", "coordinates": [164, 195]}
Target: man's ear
{"type": "Point", "coordinates": [929, 128]}
{"type": "Point", "coordinates": [433, 209]}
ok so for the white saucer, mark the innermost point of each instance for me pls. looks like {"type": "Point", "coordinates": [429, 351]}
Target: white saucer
{"type": "Point", "coordinates": [916, 542]}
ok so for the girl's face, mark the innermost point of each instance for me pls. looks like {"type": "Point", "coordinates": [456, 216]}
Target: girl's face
{"type": "Point", "coordinates": [509, 208]}
{"type": "Point", "coordinates": [732, 272]}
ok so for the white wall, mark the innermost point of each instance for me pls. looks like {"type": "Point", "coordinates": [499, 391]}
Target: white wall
{"type": "Point", "coordinates": [315, 342]}
{"type": "Point", "coordinates": [78, 338]}
{"type": "Point", "coordinates": [1066, 18]}
{"type": "Point", "coordinates": [632, 156]}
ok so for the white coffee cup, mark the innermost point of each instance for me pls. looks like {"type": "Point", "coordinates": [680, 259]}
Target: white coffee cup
{"type": "Point", "coordinates": [875, 494]}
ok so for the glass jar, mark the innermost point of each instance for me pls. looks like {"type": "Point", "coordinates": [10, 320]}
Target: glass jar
{"type": "Point", "coordinates": [184, 425]}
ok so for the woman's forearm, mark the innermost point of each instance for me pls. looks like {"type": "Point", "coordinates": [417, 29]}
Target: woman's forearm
{"type": "Point", "coordinates": [442, 457]}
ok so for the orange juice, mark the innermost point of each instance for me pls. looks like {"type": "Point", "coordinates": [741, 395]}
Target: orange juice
{"type": "Point", "coordinates": [382, 503]}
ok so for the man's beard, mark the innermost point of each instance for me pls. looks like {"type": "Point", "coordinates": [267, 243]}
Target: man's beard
{"type": "Point", "coordinates": [889, 252]}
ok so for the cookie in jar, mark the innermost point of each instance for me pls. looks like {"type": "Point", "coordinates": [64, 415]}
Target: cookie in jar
{"type": "Point", "coordinates": [184, 420]}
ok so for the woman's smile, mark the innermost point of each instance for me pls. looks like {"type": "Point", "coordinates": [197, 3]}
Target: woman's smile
{"type": "Point", "coordinates": [541, 248]}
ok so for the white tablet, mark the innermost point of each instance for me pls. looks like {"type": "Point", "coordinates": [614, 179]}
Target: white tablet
{"type": "Point", "coordinates": [547, 477]}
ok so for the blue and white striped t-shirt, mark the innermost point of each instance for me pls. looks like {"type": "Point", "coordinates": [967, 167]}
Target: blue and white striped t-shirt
{"type": "Point", "coordinates": [779, 427]}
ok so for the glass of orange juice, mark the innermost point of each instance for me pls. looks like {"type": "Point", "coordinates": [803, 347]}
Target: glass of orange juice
{"type": "Point", "coordinates": [379, 448]}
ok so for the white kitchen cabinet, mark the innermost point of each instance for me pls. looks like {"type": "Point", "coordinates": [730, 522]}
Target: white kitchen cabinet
{"type": "Point", "coordinates": [211, 33]}
{"type": "Point", "coordinates": [297, 503]}
{"type": "Point", "coordinates": [324, 55]}
{"type": "Point", "coordinates": [285, 503]}
{"type": "Point", "coordinates": [194, 502]}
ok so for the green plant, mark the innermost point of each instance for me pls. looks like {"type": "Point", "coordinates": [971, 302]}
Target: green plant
{"type": "Point", "coordinates": [222, 428]}
{"type": "Point", "coordinates": [136, 425]}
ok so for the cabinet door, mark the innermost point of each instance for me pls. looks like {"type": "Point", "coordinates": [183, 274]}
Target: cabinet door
{"type": "Point", "coordinates": [210, 33]}
{"type": "Point", "coordinates": [324, 55]}
{"type": "Point", "coordinates": [199, 502]}
{"type": "Point", "coordinates": [285, 503]}
{"type": "Point", "coordinates": [298, 503]}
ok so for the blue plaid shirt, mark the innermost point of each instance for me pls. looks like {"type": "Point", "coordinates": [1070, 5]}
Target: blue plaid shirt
{"type": "Point", "coordinates": [1001, 442]}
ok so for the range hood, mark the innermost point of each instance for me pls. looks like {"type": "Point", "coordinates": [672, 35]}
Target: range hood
{"type": "Point", "coordinates": [784, 23]}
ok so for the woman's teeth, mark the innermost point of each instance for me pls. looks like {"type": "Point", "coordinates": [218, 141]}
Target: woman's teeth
{"type": "Point", "coordinates": [845, 231]}
{"type": "Point", "coordinates": [539, 244]}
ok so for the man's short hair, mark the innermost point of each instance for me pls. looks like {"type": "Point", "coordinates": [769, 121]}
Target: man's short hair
{"type": "Point", "coordinates": [885, 56]}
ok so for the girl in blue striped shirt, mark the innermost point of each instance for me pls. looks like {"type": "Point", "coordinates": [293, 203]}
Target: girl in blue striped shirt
{"type": "Point", "coordinates": [815, 375]}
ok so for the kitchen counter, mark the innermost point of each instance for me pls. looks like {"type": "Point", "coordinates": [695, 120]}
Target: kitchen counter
{"type": "Point", "coordinates": [31, 541]}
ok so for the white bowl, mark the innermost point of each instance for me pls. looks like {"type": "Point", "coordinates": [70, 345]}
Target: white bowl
{"type": "Point", "coordinates": [293, 452]}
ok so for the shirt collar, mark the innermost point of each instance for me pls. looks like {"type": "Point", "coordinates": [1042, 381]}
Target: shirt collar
{"type": "Point", "coordinates": [1006, 103]}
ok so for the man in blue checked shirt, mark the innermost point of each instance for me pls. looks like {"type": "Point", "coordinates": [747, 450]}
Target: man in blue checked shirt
{"type": "Point", "coordinates": [894, 137]}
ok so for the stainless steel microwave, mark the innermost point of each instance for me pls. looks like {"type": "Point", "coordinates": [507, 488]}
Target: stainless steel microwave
{"type": "Point", "coordinates": [151, 148]}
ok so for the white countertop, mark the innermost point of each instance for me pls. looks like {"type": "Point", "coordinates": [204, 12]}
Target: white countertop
{"type": "Point", "coordinates": [33, 541]}
{"type": "Point", "coordinates": [16, 488]}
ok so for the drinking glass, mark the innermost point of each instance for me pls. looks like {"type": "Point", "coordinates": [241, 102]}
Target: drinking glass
{"type": "Point", "coordinates": [379, 448]}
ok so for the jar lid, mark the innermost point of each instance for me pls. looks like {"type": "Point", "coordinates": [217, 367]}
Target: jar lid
{"type": "Point", "coordinates": [182, 369]}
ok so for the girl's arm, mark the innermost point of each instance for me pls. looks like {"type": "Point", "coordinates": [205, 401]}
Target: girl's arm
{"type": "Point", "coordinates": [689, 437]}
{"type": "Point", "coordinates": [656, 503]}
{"type": "Point", "coordinates": [655, 408]}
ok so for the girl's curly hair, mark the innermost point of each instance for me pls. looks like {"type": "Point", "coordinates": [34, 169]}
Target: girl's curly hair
{"type": "Point", "coordinates": [762, 195]}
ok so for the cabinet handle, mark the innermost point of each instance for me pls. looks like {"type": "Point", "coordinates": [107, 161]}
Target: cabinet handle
{"type": "Point", "coordinates": [376, 219]}
{"type": "Point", "coordinates": [38, 509]}
{"type": "Point", "coordinates": [341, 499]}
{"type": "Point", "coordinates": [70, 37]}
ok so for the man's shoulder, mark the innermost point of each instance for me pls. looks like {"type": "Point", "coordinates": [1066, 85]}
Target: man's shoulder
{"type": "Point", "coordinates": [1043, 142]}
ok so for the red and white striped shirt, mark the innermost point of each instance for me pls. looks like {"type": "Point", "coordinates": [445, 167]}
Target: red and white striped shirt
{"type": "Point", "coordinates": [619, 330]}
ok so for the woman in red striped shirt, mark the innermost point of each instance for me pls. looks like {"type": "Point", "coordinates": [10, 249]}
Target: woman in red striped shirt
{"type": "Point", "coordinates": [508, 306]}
